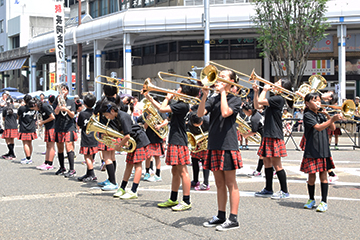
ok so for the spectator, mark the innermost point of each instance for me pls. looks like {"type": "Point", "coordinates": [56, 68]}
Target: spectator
{"type": "Point", "coordinates": [300, 115]}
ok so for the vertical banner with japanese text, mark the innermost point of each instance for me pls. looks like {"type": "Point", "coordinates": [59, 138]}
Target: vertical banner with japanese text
{"type": "Point", "coordinates": [59, 28]}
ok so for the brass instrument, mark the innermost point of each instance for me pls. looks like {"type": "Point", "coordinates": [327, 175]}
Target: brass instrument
{"type": "Point", "coordinates": [245, 128]}
{"type": "Point", "coordinates": [61, 99]}
{"type": "Point", "coordinates": [197, 143]}
{"type": "Point", "coordinates": [39, 129]}
{"type": "Point", "coordinates": [347, 109]}
{"type": "Point", "coordinates": [110, 135]}
{"type": "Point", "coordinates": [153, 118]}
{"type": "Point", "coordinates": [316, 83]}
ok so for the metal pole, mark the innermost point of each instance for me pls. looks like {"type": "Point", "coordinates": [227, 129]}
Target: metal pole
{"type": "Point", "coordinates": [79, 82]}
{"type": "Point", "coordinates": [206, 32]}
{"type": "Point", "coordinates": [341, 32]}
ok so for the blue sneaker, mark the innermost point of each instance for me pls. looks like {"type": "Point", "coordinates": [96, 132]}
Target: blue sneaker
{"type": "Point", "coordinates": [264, 193]}
{"type": "Point", "coordinates": [146, 176]}
{"type": "Point", "coordinates": [310, 204]}
{"type": "Point", "coordinates": [110, 187]}
{"type": "Point", "coordinates": [322, 207]}
{"type": "Point", "coordinates": [280, 195]}
{"type": "Point", "coordinates": [104, 183]}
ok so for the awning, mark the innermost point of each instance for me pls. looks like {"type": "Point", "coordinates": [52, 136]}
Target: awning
{"type": "Point", "coordinates": [12, 65]}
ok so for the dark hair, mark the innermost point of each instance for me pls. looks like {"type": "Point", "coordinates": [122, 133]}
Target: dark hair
{"type": "Point", "coordinates": [78, 104]}
{"type": "Point", "coordinates": [42, 94]}
{"type": "Point", "coordinates": [249, 106]}
{"type": "Point", "coordinates": [311, 96]}
{"type": "Point", "coordinates": [232, 75]}
{"type": "Point", "coordinates": [38, 103]}
{"type": "Point", "coordinates": [194, 118]}
{"type": "Point", "coordinates": [285, 83]}
{"type": "Point", "coordinates": [189, 90]}
{"type": "Point", "coordinates": [31, 103]}
{"type": "Point", "coordinates": [106, 106]}
{"type": "Point", "coordinates": [110, 91]}
{"type": "Point", "coordinates": [51, 99]}
{"type": "Point", "coordinates": [334, 98]}
{"type": "Point", "coordinates": [10, 106]}
{"type": "Point", "coordinates": [27, 98]}
{"type": "Point", "coordinates": [89, 100]}
{"type": "Point", "coordinates": [63, 85]}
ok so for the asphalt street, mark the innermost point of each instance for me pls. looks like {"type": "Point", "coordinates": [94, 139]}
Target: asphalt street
{"type": "Point", "coordinates": [38, 204]}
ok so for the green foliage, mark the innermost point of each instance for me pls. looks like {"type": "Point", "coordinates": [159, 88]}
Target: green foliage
{"type": "Point", "coordinates": [288, 30]}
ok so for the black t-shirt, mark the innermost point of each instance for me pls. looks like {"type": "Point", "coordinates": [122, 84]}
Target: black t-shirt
{"type": "Point", "coordinates": [65, 123]}
{"type": "Point", "coordinates": [26, 119]}
{"type": "Point", "coordinates": [125, 126]}
{"type": "Point", "coordinates": [153, 137]}
{"type": "Point", "coordinates": [102, 118]}
{"type": "Point", "coordinates": [273, 114]}
{"type": "Point", "coordinates": [317, 143]}
{"type": "Point", "coordinates": [87, 140]}
{"type": "Point", "coordinates": [45, 112]}
{"type": "Point", "coordinates": [177, 135]}
{"type": "Point", "coordinates": [257, 123]}
{"type": "Point", "coordinates": [204, 127]}
{"type": "Point", "coordinates": [222, 131]}
{"type": "Point", "coordinates": [10, 120]}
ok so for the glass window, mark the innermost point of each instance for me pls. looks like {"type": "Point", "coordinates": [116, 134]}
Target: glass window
{"type": "Point", "coordinates": [94, 9]}
{"type": "Point", "coordinates": [113, 6]}
{"type": "Point", "coordinates": [104, 7]}
{"type": "Point", "coordinates": [1, 48]}
{"type": "Point", "coordinates": [1, 26]}
{"type": "Point", "coordinates": [149, 50]}
{"type": "Point", "coordinates": [15, 42]}
{"type": "Point", "coordinates": [136, 51]}
{"type": "Point", "coordinates": [173, 47]}
{"type": "Point", "coordinates": [161, 48]}
{"type": "Point", "coordinates": [1, 2]}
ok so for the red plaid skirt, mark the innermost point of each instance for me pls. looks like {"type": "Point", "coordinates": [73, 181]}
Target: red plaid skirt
{"type": "Point", "coordinates": [139, 155]}
{"type": "Point", "coordinates": [200, 155]}
{"type": "Point", "coordinates": [215, 160]}
{"type": "Point", "coordinates": [66, 137]}
{"type": "Point", "coordinates": [303, 143]}
{"type": "Point", "coordinates": [314, 165]}
{"type": "Point", "coordinates": [177, 155]}
{"type": "Point", "coordinates": [239, 136]}
{"type": "Point", "coordinates": [27, 136]}
{"type": "Point", "coordinates": [336, 132]}
{"type": "Point", "coordinates": [49, 135]}
{"type": "Point", "coordinates": [88, 150]}
{"type": "Point", "coordinates": [272, 147]}
{"type": "Point", "coordinates": [155, 149]}
{"type": "Point", "coordinates": [10, 133]}
{"type": "Point", "coordinates": [102, 147]}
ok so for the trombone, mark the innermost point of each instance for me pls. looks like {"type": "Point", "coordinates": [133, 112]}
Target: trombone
{"type": "Point", "coordinates": [347, 109]}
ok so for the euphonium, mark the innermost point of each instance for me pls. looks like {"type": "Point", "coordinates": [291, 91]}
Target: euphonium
{"type": "Point", "coordinates": [197, 143]}
{"type": "Point", "coordinates": [316, 82]}
{"type": "Point", "coordinates": [109, 139]}
{"type": "Point", "coordinates": [245, 128]}
{"type": "Point", "coordinates": [153, 118]}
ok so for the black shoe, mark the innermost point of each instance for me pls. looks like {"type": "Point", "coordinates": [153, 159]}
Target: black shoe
{"type": "Point", "coordinates": [70, 174]}
{"type": "Point", "coordinates": [82, 177]}
{"type": "Point", "coordinates": [214, 222]}
{"type": "Point", "coordinates": [61, 171]}
{"type": "Point", "coordinates": [90, 179]}
{"type": "Point", "coordinates": [227, 225]}
{"type": "Point", "coordinates": [5, 156]}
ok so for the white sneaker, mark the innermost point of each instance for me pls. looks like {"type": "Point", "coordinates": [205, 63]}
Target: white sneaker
{"type": "Point", "coordinates": [333, 179]}
{"type": "Point", "coordinates": [154, 178]}
{"type": "Point", "coordinates": [26, 161]}
{"type": "Point", "coordinates": [129, 195]}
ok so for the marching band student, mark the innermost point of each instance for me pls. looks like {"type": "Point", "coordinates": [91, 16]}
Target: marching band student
{"type": "Point", "coordinates": [11, 130]}
{"type": "Point", "coordinates": [65, 130]}
{"type": "Point", "coordinates": [88, 145]}
{"type": "Point", "coordinates": [272, 147]}
{"type": "Point", "coordinates": [317, 156]}
{"type": "Point", "coordinates": [224, 156]}
{"type": "Point", "coordinates": [133, 159]}
{"type": "Point", "coordinates": [48, 116]}
{"type": "Point", "coordinates": [177, 152]}
{"type": "Point", "coordinates": [27, 129]}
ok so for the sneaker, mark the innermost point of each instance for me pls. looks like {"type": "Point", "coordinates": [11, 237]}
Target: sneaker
{"type": "Point", "coordinates": [264, 193]}
{"type": "Point", "coordinates": [70, 174]}
{"type": "Point", "coordinates": [26, 161]}
{"type": "Point", "coordinates": [61, 171]}
{"type": "Point", "coordinates": [103, 167]}
{"type": "Point", "coordinates": [336, 148]}
{"type": "Point", "coordinates": [90, 179]}
{"type": "Point", "coordinates": [48, 167]}
{"type": "Point", "coordinates": [309, 204]}
{"type": "Point", "coordinates": [280, 195]}
{"type": "Point", "coordinates": [246, 147]}
{"type": "Point", "coordinates": [119, 192]}
{"type": "Point", "coordinates": [12, 157]}
{"type": "Point", "coordinates": [82, 177]}
{"type": "Point", "coordinates": [195, 184]}
{"type": "Point", "coordinates": [213, 222]}
{"type": "Point", "coordinates": [154, 178]}
{"type": "Point", "coordinates": [5, 156]}
{"type": "Point", "coordinates": [227, 225]}
{"type": "Point", "coordinates": [333, 179]}
{"type": "Point", "coordinates": [181, 206]}
{"type": "Point", "coordinates": [146, 176]}
{"type": "Point", "coordinates": [104, 183]}
{"type": "Point", "coordinates": [168, 203]}
{"type": "Point", "coordinates": [255, 174]}
{"type": "Point", "coordinates": [41, 167]}
{"type": "Point", "coordinates": [129, 195]}
{"type": "Point", "coordinates": [110, 187]}
{"type": "Point", "coordinates": [322, 207]}
{"type": "Point", "coordinates": [202, 187]}
{"type": "Point", "coordinates": [241, 147]}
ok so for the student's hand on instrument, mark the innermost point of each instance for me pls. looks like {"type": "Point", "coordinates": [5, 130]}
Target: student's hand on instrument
{"type": "Point", "coordinates": [267, 87]}
{"type": "Point", "coordinates": [336, 117]}
{"type": "Point", "coordinates": [255, 87]}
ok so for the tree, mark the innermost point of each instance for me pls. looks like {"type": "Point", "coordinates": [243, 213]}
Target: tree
{"type": "Point", "coordinates": [288, 30]}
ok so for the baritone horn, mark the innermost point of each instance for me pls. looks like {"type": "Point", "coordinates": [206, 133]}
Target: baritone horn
{"type": "Point", "coordinates": [316, 83]}
{"type": "Point", "coordinates": [245, 128]}
{"type": "Point", "coordinates": [198, 142]}
{"type": "Point", "coordinates": [153, 118]}
{"type": "Point", "coordinates": [110, 135]}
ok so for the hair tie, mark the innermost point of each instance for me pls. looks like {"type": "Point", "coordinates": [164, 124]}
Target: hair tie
{"type": "Point", "coordinates": [108, 108]}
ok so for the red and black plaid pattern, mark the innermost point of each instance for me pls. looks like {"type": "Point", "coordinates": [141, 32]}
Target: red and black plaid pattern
{"type": "Point", "coordinates": [177, 155]}
{"type": "Point", "coordinates": [239, 136]}
{"type": "Point", "coordinates": [155, 149]}
{"type": "Point", "coordinates": [200, 155]}
{"type": "Point", "coordinates": [272, 147]}
{"type": "Point", "coordinates": [336, 132]}
{"type": "Point", "coordinates": [27, 136]}
{"type": "Point", "coordinates": [88, 150]}
{"type": "Point", "coordinates": [139, 155]}
{"type": "Point", "coordinates": [314, 165]}
{"type": "Point", "coordinates": [303, 143]}
{"type": "Point", "coordinates": [10, 133]}
{"type": "Point", "coordinates": [49, 135]}
{"type": "Point", "coordinates": [101, 146]}
{"type": "Point", "coordinates": [66, 137]}
{"type": "Point", "coordinates": [215, 160]}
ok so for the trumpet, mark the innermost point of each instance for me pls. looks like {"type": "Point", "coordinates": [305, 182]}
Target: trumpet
{"type": "Point", "coordinates": [153, 118]}
{"type": "Point", "coordinates": [245, 128]}
{"type": "Point", "coordinates": [316, 83]}
{"type": "Point", "coordinates": [109, 139]}
{"type": "Point", "coordinates": [198, 142]}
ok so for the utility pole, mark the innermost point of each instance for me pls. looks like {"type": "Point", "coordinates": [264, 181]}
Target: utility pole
{"type": "Point", "coordinates": [79, 82]}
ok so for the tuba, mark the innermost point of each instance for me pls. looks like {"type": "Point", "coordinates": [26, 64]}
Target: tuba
{"type": "Point", "coordinates": [316, 83]}
{"type": "Point", "coordinates": [40, 129]}
{"type": "Point", "coordinates": [198, 142]}
{"type": "Point", "coordinates": [153, 118]}
{"type": "Point", "coordinates": [109, 139]}
{"type": "Point", "coordinates": [245, 128]}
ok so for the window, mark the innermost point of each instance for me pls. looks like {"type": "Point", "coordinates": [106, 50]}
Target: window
{"type": "Point", "coordinates": [94, 9]}
{"type": "Point", "coordinates": [15, 41]}
{"type": "Point", "coordinates": [104, 7]}
{"type": "Point", "coordinates": [1, 48]}
{"type": "Point", "coordinates": [113, 6]}
{"type": "Point", "coordinates": [1, 2]}
{"type": "Point", "coordinates": [1, 26]}
{"type": "Point", "coordinates": [161, 48]}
